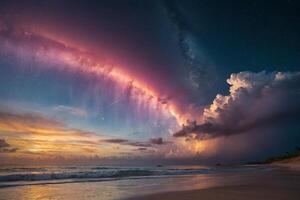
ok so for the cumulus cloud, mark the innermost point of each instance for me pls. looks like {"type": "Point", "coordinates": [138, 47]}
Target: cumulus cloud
{"type": "Point", "coordinates": [255, 100]}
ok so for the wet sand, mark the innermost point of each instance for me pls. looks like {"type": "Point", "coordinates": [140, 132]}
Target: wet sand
{"type": "Point", "coordinates": [268, 182]}
{"type": "Point", "coordinates": [283, 185]}
{"type": "Point", "coordinates": [230, 193]}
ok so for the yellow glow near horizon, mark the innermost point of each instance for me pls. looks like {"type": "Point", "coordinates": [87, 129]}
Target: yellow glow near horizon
{"type": "Point", "coordinates": [35, 135]}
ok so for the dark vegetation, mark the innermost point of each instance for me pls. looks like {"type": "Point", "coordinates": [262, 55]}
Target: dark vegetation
{"type": "Point", "coordinates": [286, 156]}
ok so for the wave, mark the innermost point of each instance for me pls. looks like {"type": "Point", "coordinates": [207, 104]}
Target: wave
{"type": "Point", "coordinates": [75, 174]}
{"type": "Point", "coordinates": [91, 174]}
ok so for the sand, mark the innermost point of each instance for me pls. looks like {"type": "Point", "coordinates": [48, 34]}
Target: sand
{"type": "Point", "coordinates": [292, 163]}
{"type": "Point", "coordinates": [230, 193]}
{"type": "Point", "coordinates": [263, 182]}
{"type": "Point", "coordinates": [284, 185]}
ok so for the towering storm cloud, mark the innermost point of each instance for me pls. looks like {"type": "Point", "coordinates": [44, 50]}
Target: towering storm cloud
{"type": "Point", "coordinates": [255, 100]}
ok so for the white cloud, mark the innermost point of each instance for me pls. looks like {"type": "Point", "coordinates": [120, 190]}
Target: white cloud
{"type": "Point", "coordinates": [255, 100]}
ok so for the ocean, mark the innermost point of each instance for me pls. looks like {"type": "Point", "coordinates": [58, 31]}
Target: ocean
{"type": "Point", "coordinates": [111, 182]}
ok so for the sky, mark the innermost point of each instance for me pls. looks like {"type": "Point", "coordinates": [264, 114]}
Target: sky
{"type": "Point", "coordinates": [148, 81]}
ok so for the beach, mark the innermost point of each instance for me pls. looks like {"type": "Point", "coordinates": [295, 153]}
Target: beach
{"type": "Point", "coordinates": [247, 192]}
{"type": "Point", "coordinates": [280, 184]}
{"type": "Point", "coordinates": [242, 182]}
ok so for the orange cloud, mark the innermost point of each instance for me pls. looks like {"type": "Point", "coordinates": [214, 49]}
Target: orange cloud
{"type": "Point", "coordinates": [33, 136]}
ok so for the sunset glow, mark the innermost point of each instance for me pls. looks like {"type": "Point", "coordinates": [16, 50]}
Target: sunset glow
{"type": "Point", "coordinates": [77, 88]}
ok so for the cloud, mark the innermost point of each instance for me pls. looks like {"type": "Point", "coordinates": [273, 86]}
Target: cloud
{"type": "Point", "coordinates": [150, 143]}
{"type": "Point", "coordinates": [33, 133]}
{"type": "Point", "coordinates": [36, 135]}
{"type": "Point", "coordinates": [27, 118]}
{"type": "Point", "coordinates": [3, 143]}
{"type": "Point", "coordinates": [127, 142]}
{"type": "Point", "coordinates": [6, 148]}
{"type": "Point", "coordinates": [142, 149]}
{"type": "Point", "coordinates": [25, 47]}
{"type": "Point", "coordinates": [117, 141]}
{"type": "Point", "coordinates": [36, 124]}
{"type": "Point", "coordinates": [158, 141]}
{"type": "Point", "coordinates": [256, 100]}
{"type": "Point", "coordinates": [71, 110]}
{"type": "Point", "coordinates": [139, 144]}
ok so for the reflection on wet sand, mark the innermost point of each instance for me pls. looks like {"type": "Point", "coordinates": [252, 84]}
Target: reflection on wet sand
{"type": "Point", "coordinates": [130, 188]}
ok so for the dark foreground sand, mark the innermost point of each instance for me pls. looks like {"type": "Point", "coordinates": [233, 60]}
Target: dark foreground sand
{"type": "Point", "coordinates": [274, 186]}
{"type": "Point", "coordinates": [230, 193]}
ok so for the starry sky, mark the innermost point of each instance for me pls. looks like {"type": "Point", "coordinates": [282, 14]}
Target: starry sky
{"type": "Point", "coordinates": [138, 81]}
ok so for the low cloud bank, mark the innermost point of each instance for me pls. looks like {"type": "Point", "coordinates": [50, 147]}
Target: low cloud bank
{"type": "Point", "coordinates": [150, 143]}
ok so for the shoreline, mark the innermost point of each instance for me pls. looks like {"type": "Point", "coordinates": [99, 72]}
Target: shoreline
{"type": "Point", "coordinates": [268, 182]}
{"type": "Point", "coordinates": [275, 185]}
